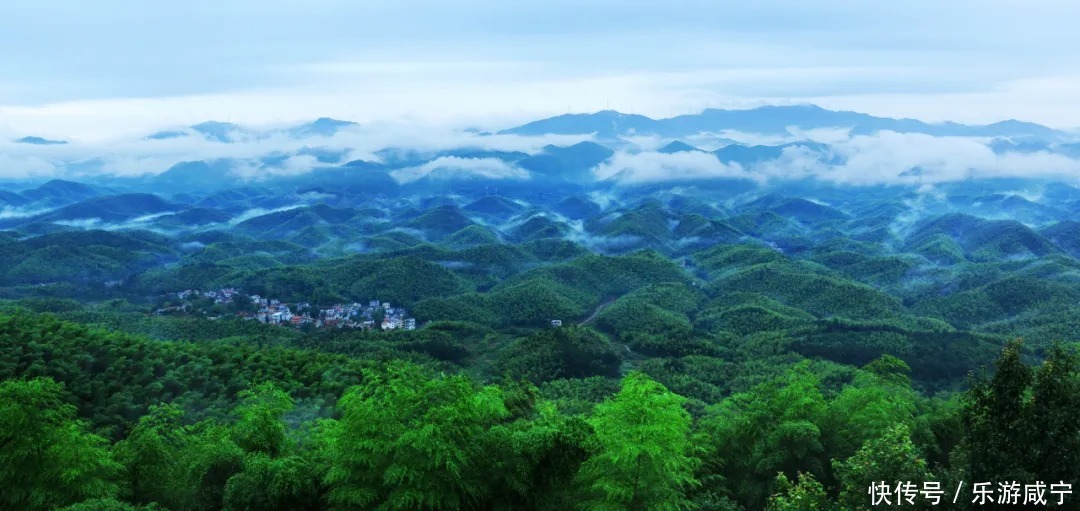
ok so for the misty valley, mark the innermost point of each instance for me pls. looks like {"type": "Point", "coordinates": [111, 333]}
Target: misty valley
{"type": "Point", "coordinates": [771, 308]}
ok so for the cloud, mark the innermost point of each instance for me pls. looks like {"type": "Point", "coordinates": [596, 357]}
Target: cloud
{"type": "Point", "coordinates": [711, 141]}
{"type": "Point", "coordinates": [602, 199]}
{"type": "Point", "coordinates": [651, 166]}
{"type": "Point", "coordinates": [926, 58]}
{"type": "Point", "coordinates": [884, 158]}
{"type": "Point", "coordinates": [645, 142]}
{"type": "Point", "coordinates": [911, 158]}
{"type": "Point", "coordinates": [795, 162]}
{"type": "Point", "coordinates": [82, 223]}
{"type": "Point", "coordinates": [881, 158]}
{"type": "Point", "coordinates": [822, 135]}
{"type": "Point", "coordinates": [492, 168]}
{"type": "Point", "coordinates": [144, 222]}
{"type": "Point", "coordinates": [22, 166]}
{"type": "Point", "coordinates": [138, 156]}
{"type": "Point", "coordinates": [257, 212]}
{"type": "Point", "coordinates": [313, 196]}
{"type": "Point", "coordinates": [602, 244]}
{"type": "Point", "coordinates": [8, 212]}
{"type": "Point", "coordinates": [291, 166]}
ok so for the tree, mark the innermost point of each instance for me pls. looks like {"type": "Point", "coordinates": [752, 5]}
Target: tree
{"type": "Point", "coordinates": [774, 428]}
{"type": "Point", "coordinates": [109, 504]}
{"type": "Point", "coordinates": [289, 483]}
{"type": "Point", "coordinates": [534, 460]}
{"type": "Point", "coordinates": [1021, 424]}
{"type": "Point", "coordinates": [997, 422]}
{"type": "Point", "coordinates": [892, 459]}
{"type": "Point", "coordinates": [645, 459]}
{"type": "Point", "coordinates": [205, 464]}
{"type": "Point", "coordinates": [806, 495]}
{"type": "Point", "coordinates": [259, 427]}
{"type": "Point", "coordinates": [879, 398]}
{"type": "Point", "coordinates": [567, 352]}
{"type": "Point", "coordinates": [47, 457]}
{"type": "Point", "coordinates": [1055, 405]}
{"type": "Point", "coordinates": [149, 454]}
{"type": "Point", "coordinates": [407, 441]}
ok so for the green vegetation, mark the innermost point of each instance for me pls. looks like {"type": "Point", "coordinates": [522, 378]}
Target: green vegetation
{"type": "Point", "coordinates": [242, 430]}
{"type": "Point", "coordinates": [665, 352]}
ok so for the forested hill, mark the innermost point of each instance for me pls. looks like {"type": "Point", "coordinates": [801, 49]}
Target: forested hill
{"type": "Point", "coordinates": [98, 420]}
{"type": "Point", "coordinates": [598, 312]}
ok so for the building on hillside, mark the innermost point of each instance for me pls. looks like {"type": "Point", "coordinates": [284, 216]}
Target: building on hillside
{"type": "Point", "coordinates": [555, 323]}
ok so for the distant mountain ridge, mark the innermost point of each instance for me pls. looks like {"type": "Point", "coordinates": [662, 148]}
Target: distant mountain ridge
{"type": "Point", "coordinates": [228, 132]}
{"type": "Point", "coordinates": [39, 141]}
{"type": "Point", "coordinates": [767, 120]}
{"type": "Point", "coordinates": [568, 156]}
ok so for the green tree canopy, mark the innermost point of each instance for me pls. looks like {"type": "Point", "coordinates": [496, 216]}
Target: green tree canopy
{"type": "Point", "coordinates": [645, 459]}
{"type": "Point", "coordinates": [48, 459]}
{"type": "Point", "coordinates": [408, 441]}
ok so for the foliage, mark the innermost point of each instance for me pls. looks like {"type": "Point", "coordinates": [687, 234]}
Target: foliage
{"type": "Point", "coordinates": [892, 458]}
{"type": "Point", "coordinates": [406, 442]}
{"type": "Point", "coordinates": [49, 459]}
{"type": "Point", "coordinates": [1018, 424]}
{"type": "Point", "coordinates": [645, 458]}
{"type": "Point", "coordinates": [568, 352]}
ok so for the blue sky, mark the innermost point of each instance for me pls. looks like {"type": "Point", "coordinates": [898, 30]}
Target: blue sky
{"type": "Point", "coordinates": [109, 68]}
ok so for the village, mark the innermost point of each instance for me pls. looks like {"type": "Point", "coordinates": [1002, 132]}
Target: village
{"type": "Point", "coordinates": [371, 316]}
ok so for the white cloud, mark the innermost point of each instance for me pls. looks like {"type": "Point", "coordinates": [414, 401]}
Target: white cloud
{"type": "Point", "coordinates": [795, 162]}
{"type": "Point", "coordinates": [299, 164]}
{"type": "Point", "coordinates": [115, 66]}
{"type": "Point", "coordinates": [81, 223]}
{"type": "Point", "coordinates": [313, 197]}
{"type": "Point", "coordinates": [880, 158]}
{"type": "Point", "coordinates": [886, 157]}
{"type": "Point", "coordinates": [652, 166]}
{"type": "Point", "coordinates": [25, 166]}
{"type": "Point", "coordinates": [8, 212]}
{"type": "Point", "coordinates": [883, 158]}
{"type": "Point", "coordinates": [257, 212]}
{"type": "Point", "coordinates": [136, 156]}
{"type": "Point", "coordinates": [483, 167]}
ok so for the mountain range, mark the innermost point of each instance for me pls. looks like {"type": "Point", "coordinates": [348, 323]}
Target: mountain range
{"type": "Point", "coordinates": [770, 120]}
{"type": "Point", "coordinates": [583, 152]}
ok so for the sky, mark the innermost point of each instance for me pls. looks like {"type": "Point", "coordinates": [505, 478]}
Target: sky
{"type": "Point", "coordinates": [99, 70]}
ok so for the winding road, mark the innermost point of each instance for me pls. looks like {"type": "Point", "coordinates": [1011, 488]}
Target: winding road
{"type": "Point", "coordinates": [596, 312]}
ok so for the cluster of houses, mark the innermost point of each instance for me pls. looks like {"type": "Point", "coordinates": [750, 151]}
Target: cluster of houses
{"type": "Point", "coordinates": [356, 315]}
{"type": "Point", "coordinates": [275, 312]}
{"type": "Point", "coordinates": [220, 296]}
